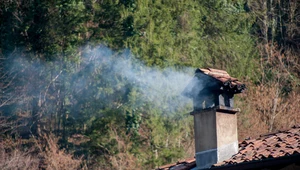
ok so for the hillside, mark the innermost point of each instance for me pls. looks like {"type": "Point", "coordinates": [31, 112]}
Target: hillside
{"type": "Point", "coordinates": [97, 84]}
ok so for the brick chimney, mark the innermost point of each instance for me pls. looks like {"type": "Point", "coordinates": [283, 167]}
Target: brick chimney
{"type": "Point", "coordinates": [215, 120]}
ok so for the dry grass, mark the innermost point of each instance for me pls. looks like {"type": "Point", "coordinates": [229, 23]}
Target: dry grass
{"type": "Point", "coordinates": [14, 156]}
{"type": "Point", "coordinates": [54, 158]}
{"type": "Point", "coordinates": [17, 159]}
{"type": "Point", "coordinates": [36, 154]}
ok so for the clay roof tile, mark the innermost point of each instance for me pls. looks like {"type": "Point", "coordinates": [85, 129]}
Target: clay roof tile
{"type": "Point", "coordinates": [224, 77]}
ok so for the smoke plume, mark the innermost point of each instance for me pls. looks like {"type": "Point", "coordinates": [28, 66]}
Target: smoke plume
{"type": "Point", "coordinates": [101, 74]}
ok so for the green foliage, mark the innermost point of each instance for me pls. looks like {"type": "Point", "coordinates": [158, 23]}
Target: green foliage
{"type": "Point", "coordinates": [198, 34]}
{"type": "Point", "coordinates": [132, 122]}
{"type": "Point", "coordinates": [103, 127]}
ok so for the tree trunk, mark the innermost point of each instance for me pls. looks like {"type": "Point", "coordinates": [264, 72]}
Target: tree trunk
{"type": "Point", "coordinates": [35, 116]}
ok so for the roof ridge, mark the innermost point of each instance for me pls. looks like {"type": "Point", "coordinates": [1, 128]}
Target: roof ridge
{"type": "Point", "coordinates": [279, 131]}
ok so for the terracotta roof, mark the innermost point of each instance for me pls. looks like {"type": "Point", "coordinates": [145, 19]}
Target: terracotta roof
{"type": "Point", "coordinates": [280, 144]}
{"type": "Point", "coordinates": [227, 81]}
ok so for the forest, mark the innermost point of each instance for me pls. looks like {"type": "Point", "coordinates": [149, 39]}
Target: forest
{"type": "Point", "coordinates": [96, 84]}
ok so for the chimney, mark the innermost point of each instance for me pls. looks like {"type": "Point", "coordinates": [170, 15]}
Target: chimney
{"type": "Point", "coordinates": [215, 121]}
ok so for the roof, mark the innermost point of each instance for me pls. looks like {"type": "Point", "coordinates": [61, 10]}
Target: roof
{"type": "Point", "coordinates": [274, 145]}
{"type": "Point", "coordinates": [282, 144]}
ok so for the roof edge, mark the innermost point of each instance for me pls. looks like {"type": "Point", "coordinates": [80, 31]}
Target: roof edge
{"type": "Point", "coordinates": [270, 162]}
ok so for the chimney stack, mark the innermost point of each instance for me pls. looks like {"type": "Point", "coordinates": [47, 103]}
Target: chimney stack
{"type": "Point", "coordinates": [215, 121]}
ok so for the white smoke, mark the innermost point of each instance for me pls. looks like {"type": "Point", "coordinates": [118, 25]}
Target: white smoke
{"type": "Point", "coordinates": [160, 87]}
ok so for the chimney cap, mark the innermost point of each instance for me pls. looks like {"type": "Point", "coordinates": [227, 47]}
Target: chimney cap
{"type": "Point", "coordinates": [228, 83]}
